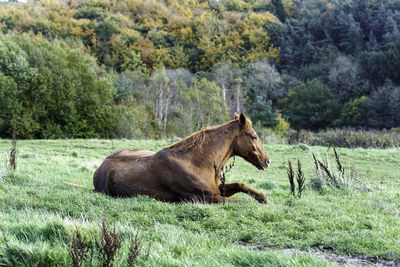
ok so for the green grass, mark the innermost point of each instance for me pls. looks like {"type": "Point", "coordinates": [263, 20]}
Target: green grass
{"type": "Point", "coordinates": [39, 212]}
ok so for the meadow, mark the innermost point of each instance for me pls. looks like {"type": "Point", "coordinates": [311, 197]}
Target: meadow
{"type": "Point", "coordinates": [39, 212]}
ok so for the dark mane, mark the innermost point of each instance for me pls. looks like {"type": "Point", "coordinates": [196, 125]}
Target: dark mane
{"type": "Point", "coordinates": [190, 143]}
{"type": "Point", "coordinates": [194, 140]}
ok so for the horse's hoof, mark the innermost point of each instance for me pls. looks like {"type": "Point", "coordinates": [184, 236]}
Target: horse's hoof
{"type": "Point", "coordinates": [263, 200]}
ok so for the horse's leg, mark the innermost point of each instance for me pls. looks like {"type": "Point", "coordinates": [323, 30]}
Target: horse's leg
{"type": "Point", "coordinates": [220, 199]}
{"type": "Point", "coordinates": [233, 188]}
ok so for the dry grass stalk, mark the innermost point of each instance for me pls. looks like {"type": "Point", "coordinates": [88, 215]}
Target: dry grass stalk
{"type": "Point", "coordinates": [78, 250]}
{"type": "Point", "coordinates": [290, 174]}
{"type": "Point", "coordinates": [328, 173]}
{"type": "Point", "coordinates": [108, 245]}
{"type": "Point", "coordinates": [300, 179]}
{"type": "Point", "coordinates": [135, 249]}
{"type": "Point", "coordinates": [148, 252]}
{"type": "Point", "coordinates": [339, 164]}
{"type": "Point", "coordinates": [13, 152]}
{"type": "Point", "coordinates": [315, 162]}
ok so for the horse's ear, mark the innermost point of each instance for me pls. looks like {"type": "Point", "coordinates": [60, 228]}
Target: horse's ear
{"type": "Point", "coordinates": [235, 116]}
{"type": "Point", "coordinates": [242, 120]}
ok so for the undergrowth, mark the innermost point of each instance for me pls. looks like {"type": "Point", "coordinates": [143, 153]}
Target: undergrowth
{"type": "Point", "coordinates": [326, 177]}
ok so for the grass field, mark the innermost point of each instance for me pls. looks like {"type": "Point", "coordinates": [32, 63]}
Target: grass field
{"type": "Point", "coordinates": [39, 212]}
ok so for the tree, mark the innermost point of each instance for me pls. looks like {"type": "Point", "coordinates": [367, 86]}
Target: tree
{"type": "Point", "coordinates": [10, 107]}
{"type": "Point", "coordinates": [162, 97]}
{"type": "Point", "coordinates": [344, 78]}
{"type": "Point", "coordinates": [394, 107]}
{"type": "Point", "coordinates": [206, 97]}
{"type": "Point", "coordinates": [351, 113]}
{"type": "Point", "coordinates": [60, 92]}
{"type": "Point", "coordinates": [223, 75]}
{"type": "Point", "coordinates": [278, 9]}
{"type": "Point", "coordinates": [310, 106]}
{"type": "Point", "coordinates": [376, 108]}
{"type": "Point", "coordinates": [262, 79]}
{"type": "Point", "coordinates": [134, 63]}
{"type": "Point", "coordinates": [261, 111]}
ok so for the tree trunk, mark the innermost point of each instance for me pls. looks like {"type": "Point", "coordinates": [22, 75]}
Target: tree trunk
{"type": "Point", "coordinates": [238, 94]}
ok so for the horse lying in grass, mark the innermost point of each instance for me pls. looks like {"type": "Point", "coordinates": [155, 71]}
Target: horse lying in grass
{"type": "Point", "coordinates": [187, 170]}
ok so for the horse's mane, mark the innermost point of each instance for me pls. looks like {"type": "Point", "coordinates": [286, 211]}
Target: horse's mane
{"type": "Point", "coordinates": [194, 140]}
{"type": "Point", "coordinates": [190, 143]}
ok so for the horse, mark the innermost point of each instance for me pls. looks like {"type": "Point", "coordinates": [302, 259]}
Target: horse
{"type": "Point", "coordinates": [188, 170]}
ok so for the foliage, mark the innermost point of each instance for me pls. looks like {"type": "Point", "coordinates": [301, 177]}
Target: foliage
{"type": "Point", "coordinates": [149, 34]}
{"type": "Point", "coordinates": [257, 54]}
{"type": "Point", "coordinates": [348, 137]}
{"type": "Point", "coordinates": [261, 111]}
{"type": "Point", "coordinates": [325, 178]}
{"type": "Point", "coordinates": [282, 127]}
{"type": "Point", "coordinates": [351, 113]}
{"type": "Point", "coordinates": [52, 91]}
{"type": "Point", "coordinates": [310, 106]}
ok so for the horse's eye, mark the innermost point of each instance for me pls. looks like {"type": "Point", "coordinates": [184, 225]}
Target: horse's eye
{"type": "Point", "coordinates": [253, 137]}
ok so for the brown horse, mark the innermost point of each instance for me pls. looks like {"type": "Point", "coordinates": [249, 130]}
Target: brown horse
{"type": "Point", "coordinates": [187, 170]}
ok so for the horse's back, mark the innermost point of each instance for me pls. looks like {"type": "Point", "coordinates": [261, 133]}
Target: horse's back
{"type": "Point", "coordinates": [109, 177]}
{"type": "Point", "coordinates": [162, 175]}
{"type": "Point", "coordinates": [131, 153]}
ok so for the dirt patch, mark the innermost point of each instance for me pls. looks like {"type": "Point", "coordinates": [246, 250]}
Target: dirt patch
{"type": "Point", "coordinates": [325, 254]}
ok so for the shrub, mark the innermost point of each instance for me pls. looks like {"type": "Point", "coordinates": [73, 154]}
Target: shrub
{"type": "Point", "coordinates": [347, 137]}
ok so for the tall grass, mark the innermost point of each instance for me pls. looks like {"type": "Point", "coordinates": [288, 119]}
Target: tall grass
{"type": "Point", "coordinates": [326, 176]}
{"type": "Point", "coordinates": [347, 137]}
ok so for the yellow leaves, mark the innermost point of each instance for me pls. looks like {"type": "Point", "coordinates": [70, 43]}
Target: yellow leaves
{"type": "Point", "coordinates": [177, 22]}
{"type": "Point", "coordinates": [130, 35]}
{"type": "Point", "coordinates": [186, 34]}
{"type": "Point", "coordinates": [261, 19]}
{"type": "Point", "coordinates": [195, 35]}
{"type": "Point", "coordinates": [77, 31]}
{"type": "Point", "coordinates": [283, 126]}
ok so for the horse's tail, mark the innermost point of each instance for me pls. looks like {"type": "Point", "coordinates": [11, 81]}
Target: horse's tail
{"type": "Point", "coordinates": [78, 186]}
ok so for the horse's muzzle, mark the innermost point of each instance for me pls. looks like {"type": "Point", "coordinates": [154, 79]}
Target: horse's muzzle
{"type": "Point", "coordinates": [262, 165]}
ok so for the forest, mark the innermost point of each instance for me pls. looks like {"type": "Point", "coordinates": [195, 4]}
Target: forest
{"type": "Point", "coordinates": [157, 69]}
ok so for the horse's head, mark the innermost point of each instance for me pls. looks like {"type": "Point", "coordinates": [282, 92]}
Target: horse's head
{"type": "Point", "coordinates": [248, 146]}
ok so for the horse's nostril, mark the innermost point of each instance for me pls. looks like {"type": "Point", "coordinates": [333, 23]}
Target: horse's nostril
{"type": "Point", "coordinates": [268, 162]}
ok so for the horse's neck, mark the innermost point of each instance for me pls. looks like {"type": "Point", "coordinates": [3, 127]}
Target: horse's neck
{"type": "Point", "coordinates": [219, 145]}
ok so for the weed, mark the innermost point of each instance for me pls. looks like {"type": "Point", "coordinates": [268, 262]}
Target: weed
{"type": "Point", "coordinates": [135, 249]}
{"type": "Point", "coordinates": [108, 245]}
{"type": "Point", "coordinates": [79, 250]}
{"type": "Point", "coordinates": [300, 179]}
{"type": "Point", "coordinates": [13, 152]}
{"type": "Point", "coordinates": [339, 164]}
{"type": "Point", "coordinates": [290, 175]}
{"type": "Point", "coordinates": [324, 176]}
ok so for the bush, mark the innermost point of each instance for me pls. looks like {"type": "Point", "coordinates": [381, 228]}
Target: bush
{"type": "Point", "coordinates": [269, 135]}
{"type": "Point", "coordinates": [347, 137]}
{"type": "Point", "coordinates": [49, 90]}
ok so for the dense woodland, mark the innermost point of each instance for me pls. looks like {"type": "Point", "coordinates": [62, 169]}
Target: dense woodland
{"type": "Point", "coordinates": [151, 69]}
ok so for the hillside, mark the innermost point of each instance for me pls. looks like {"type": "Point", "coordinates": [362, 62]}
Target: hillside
{"type": "Point", "coordinates": [312, 64]}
